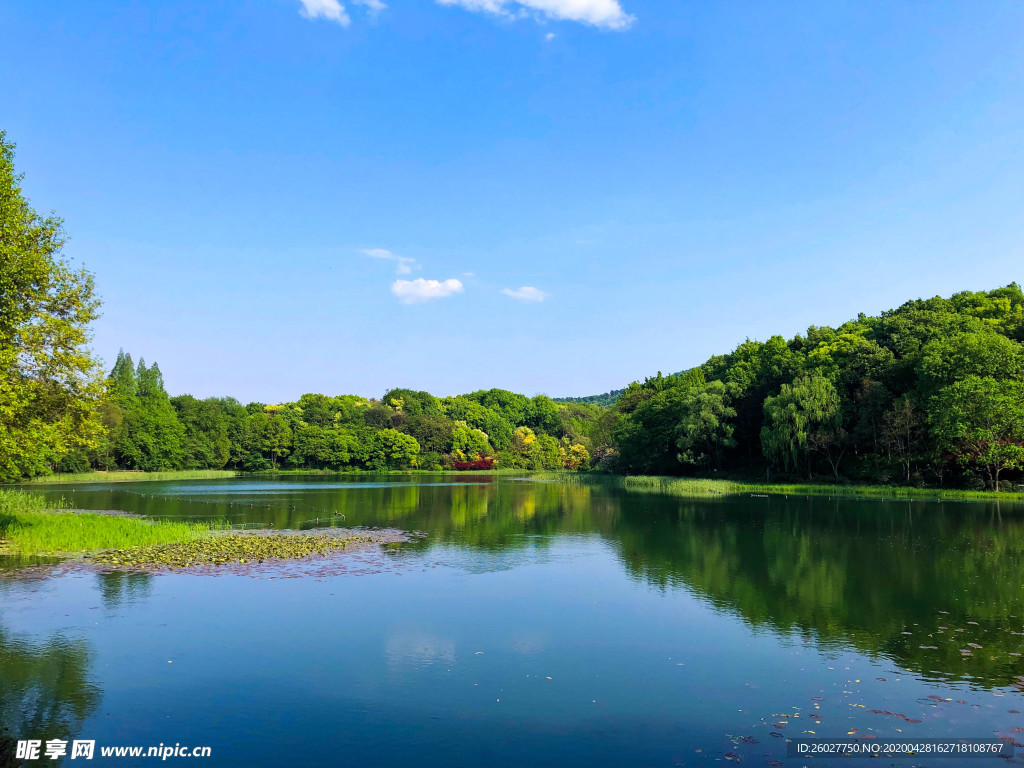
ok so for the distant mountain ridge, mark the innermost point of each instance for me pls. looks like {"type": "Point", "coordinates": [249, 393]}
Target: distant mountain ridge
{"type": "Point", "coordinates": [605, 400]}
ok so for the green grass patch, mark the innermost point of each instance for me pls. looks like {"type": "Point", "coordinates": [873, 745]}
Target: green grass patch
{"type": "Point", "coordinates": [126, 476]}
{"type": "Point", "coordinates": [28, 528]}
{"type": "Point", "coordinates": [706, 488]}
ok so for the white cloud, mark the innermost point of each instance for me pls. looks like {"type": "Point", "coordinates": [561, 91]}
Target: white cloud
{"type": "Point", "coordinates": [403, 263]}
{"type": "Point", "coordinates": [331, 10]}
{"type": "Point", "coordinates": [420, 290]}
{"type": "Point", "coordinates": [549, 36]}
{"type": "Point", "coordinates": [607, 14]}
{"type": "Point", "coordinates": [375, 6]}
{"type": "Point", "coordinates": [526, 293]}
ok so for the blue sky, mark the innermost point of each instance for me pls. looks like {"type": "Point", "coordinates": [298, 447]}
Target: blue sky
{"type": "Point", "coordinates": [553, 196]}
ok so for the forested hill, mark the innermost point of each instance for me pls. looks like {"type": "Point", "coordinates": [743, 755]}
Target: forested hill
{"type": "Point", "coordinates": [931, 392]}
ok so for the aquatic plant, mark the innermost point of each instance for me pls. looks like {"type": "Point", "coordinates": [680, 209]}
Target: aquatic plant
{"type": "Point", "coordinates": [224, 549]}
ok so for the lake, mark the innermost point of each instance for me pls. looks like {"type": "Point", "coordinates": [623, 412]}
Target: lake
{"type": "Point", "coordinates": [536, 624]}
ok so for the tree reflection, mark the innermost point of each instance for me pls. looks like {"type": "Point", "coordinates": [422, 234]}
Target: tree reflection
{"type": "Point", "coordinates": [119, 588]}
{"type": "Point", "coordinates": [938, 588]}
{"type": "Point", "coordinates": [45, 690]}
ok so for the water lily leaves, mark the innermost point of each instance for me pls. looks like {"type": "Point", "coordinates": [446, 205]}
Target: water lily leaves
{"type": "Point", "coordinates": [231, 548]}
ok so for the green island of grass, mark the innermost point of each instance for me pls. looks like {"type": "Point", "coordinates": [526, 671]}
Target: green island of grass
{"type": "Point", "coordinates": [29, 526]}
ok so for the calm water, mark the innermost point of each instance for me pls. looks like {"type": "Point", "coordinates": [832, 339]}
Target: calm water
{"type": "Point", "coordinates": [537, 624]}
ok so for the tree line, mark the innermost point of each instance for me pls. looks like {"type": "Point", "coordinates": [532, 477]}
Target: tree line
{"type": "Point", "coordinates": [929, 393]}
{"type": "Point", "coordinates": [144, 428]}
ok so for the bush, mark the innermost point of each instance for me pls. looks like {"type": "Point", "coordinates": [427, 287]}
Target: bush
{"type": "Point", "coordinates": [482, 462]}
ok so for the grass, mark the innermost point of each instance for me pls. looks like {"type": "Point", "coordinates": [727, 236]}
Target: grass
{"type": "Point", "coordinates": [705, 488]}
{"type": "Point", "coordinates": [28, 528]}
{"type": "Point", "coordinates": [125, 476]}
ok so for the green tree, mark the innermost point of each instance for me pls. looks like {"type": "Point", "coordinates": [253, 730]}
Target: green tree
{"type": "Point", "coordinates": [393, 450]}
{"type": "Point", "coordinates": [981, 421]}
{"type": "Point", "coordinates": [511, 406]}
{"type": "Point", "coordinates": [151, 437]}
{"type": "Point", "coordinates": [490, 422]}
{"type": "Point", "coordinates": [706, 429]}
{"type": "Point", "coordinates": [542, 416]}
{"type": "Point", "coordinates": [433, 432]}
{"type": "Point", "coordinates": [321, 447]}
{"type": "Point", "coordinates": [469, 443]}
{"type": "Point", "coordinates": [277, 439]}
{"type": "Point", "coordinates": [412, 402]}
{"type": "Point", "coordinates": [317, 410]}
{"type": "Point", "coordinates": [903, 432]}
{"type": "Point", "coordinates": [646, 435]}
{"type": "Point", "coordinates": [946, 360]}
{"type": "Point", "coordinates": [49, 381]}
{"type": "Point", "coordinates": [802, 419]}
{"type": "Point", "coordinates": [206, 444]}
{"type": "Point", "coordinates": [548, 453]}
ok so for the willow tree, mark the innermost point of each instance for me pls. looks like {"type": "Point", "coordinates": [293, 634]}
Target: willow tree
{"type": "Point", "coordinates": [803, 418]}
{"type": "Point", "coordinates": [49, 381]}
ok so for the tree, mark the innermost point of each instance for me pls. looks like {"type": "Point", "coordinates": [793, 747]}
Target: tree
{"type": "Point", "coordinates": [981, 422]}
{"type": "Point", "coordinates": [206, 444]}
{"type": "Point", "coordinates": [706, 430]}
{"type": "Point", "coordinates": [469, 443]}
{"type": "Point", "coordinates": [573, 455]}
{"type": "Point", "coordinates": [954, 358]}
{"type": "Point", "coordinates": [433, 432]}
{"type": "Point", "coordinates": [151, 437]}
{"type": "Point", "coordinates": [49, 381]}
{"type": "Point", "coordinates": [902, 431]}
{"type": "Point", "coordinates": [547, 453]}
{"type": "Point", "coordinates": [848, 358]}
{"type": "Point", "coordinates": [509, 405]}
{"type": "Point", "coordinates": [542, 416]}
{"type": "Point", "coordinates": [412, 403]}
{"type": "Point", "coordinates": [393, 450]}
{"type": "Point", "coordinates": [646, 437]}
{"type": "Point", "coordinates": [490, 422]}
{"type": "Point", "coordinates": [317, 410]}
{"type": "Point", "coordinates": [800, 420]}
{"type": "Point", "coordinates": [321, 447]}
{"type": "Point", "coordinates": [277, 439]}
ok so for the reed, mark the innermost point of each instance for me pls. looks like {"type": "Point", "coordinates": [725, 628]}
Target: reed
{"type": "Point", "coordinates": [28, 527]}
{"type": "Point", "coordinates": [124, 476]}
{"type": "Point", "coordinates": [706, 488]}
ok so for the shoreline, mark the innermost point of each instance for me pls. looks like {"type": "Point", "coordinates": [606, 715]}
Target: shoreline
{"type": "Point", "coordinates": [689, 487]}
{"type": "Point", "coordinates": [704, 488]}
